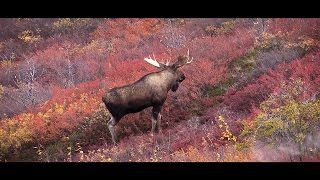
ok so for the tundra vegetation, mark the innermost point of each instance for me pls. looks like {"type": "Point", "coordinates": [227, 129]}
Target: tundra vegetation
{"type": "Point", "coordinates": [251, 92]}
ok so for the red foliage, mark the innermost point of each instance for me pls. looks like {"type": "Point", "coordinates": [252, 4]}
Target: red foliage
{"type": "Point", "coordinates": [223, 49]}
{"type": "Point", "coordinates": [296, 27]}
{"type": "Point", "coordinates": [253, 94]}
{"type": "Point", "coordinates": [120, 73]}
{"type": "Point", "coordinates": [131, 37]}
{"type": "Point", "coordinates": [118, 49]}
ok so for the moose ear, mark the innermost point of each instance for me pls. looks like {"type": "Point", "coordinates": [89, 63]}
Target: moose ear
{"type": "Point", "coordinates": [182, 60]}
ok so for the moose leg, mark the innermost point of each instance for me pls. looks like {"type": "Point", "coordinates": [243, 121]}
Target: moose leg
{"type": "Point", "coordinates": [111, 125]}
{"type": "Point", "coordinates": [159, 122]}
{"type": "Point", "coordinates": [156, 118]}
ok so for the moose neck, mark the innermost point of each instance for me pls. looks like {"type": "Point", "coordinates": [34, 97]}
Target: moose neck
{"type": "Point", "coordinates": [163, 79]}
{"type": "Point", "coordinates": [168, 78]}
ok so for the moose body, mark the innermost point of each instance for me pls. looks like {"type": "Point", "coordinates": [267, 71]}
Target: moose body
{"type": "Point", "coordinates": [149, 91]}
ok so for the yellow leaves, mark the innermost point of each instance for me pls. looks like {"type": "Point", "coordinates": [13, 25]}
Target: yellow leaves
{"type": "Point", "coordinates": [8, 62]}
{"type": "Point", "coordinates": [303, 42]}
{"type": "Point", "coordinates": [80, 50]}
{"type": "Point", "coordinates": [102, 157]}
{"type": "Point", "coordinates": [191, 154]}
{"type": "Point", "coordinates": [66, 24]}
{"type": "Point", "coordinates": [280, 39]}
{"type": "Point", "coordinates": [15, 132]}
{"type": "Point", "coordinates": [49, 111]}
{"type": "Point", "coordinates": [26, 117]}
{"type": "Point", "coordinates": [234, 138]}
{"type": "Point", "coordinates": [47, 114]}
{"type": "Point", "coordinates": [59, 108]}
{"type": "Point", "coordinates": [226, 134]}
{"type": "Point", "coordinates": [154, 159]}
{"type": "Point", "coordinates": [1, 90]}
{"type": "Point", "coordinates": [101, 46]}
{"type": "Point", "coordinates": [40, 114]}
{"type": "Point", "coordinates": [84, 97]}
{"type": "Point", "coordinates": [269, 40]}
{"type": "Point", "coordinates": [226, 27]}
{"type": "Point", "coordinates": [63, 23]}
{"type": "Point", "coordinates": [311, 110]}
{"type": "Point", "coordinates": [307, 43]}
{"type": "Point", "coordinates": [28, 37]}
{"type": "Point", "coordinates": [285, 117]}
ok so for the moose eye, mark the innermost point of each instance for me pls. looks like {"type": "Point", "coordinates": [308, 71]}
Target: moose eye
{"type": "Point", "coordinates": [181, 78]}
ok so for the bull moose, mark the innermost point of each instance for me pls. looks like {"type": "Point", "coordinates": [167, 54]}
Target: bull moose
{"type": "Point", "coordinates": [150, 90]}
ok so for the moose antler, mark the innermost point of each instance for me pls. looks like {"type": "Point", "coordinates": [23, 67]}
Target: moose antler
{"type": "Point", "coordinates": [182, 60]}
{"type": "Point", "coordinates": [156, 63]}
{"type": "Point", "coordinates": [188, 58]}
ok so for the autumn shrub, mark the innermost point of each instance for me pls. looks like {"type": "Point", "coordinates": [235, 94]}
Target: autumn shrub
{"type": "Point", "coordinates": [213, 91]}
{"type": "Point", "coordinates": [222, 49]}
{"type": "Point", "coordinates": [13, 31]}
{"type": "Point", "coordinates": [253, 94]}
{"type": "Point", "coordinates": [194, 140]}
{"type": "Point", "coordinates": [28, 36]}
{"type": "Point", "coordinates": [67, 64]}
{"type": "Point", "coordinates": [50, 123]}
{"type": "Point", "coordinates": [14, 134]}
{"type": "Point", "coordinates": [10, 105]}
{"type": "Point", "coordinates": [296, 27]}
{"type": "Point", "coordinates": [78, 29]}
{"type": "Point", "coordinates": [80, 59]}
{"type": "Point", "coordinates": [245, 63]}
{"type": "Point", "coordinates": [288, 122]}
{"type": "Point", "coordinates": [96, 51]}
{"type": "Point", "coordinates": [277, 46]}
{"type": "Point", "coordinates": [267, 60]}
{"type": "Point", "coordinates": [131, 38]}
{"type": "Point", "coordinates": [225, 28]}
{"type": "Point", "coordinates": [268, 51]}
{"type": "Point", "coordinates": [92, 130]}
{"type": "Point", "coordinates": [11, 46]}
{"type": "Point", "coordinates": [214, 59]}
{"type": "Point", "coordinates": [173, 35]}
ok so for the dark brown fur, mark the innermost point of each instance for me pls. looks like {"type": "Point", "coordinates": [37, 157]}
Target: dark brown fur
{"type": "Point", "coordinates": [149, 91]}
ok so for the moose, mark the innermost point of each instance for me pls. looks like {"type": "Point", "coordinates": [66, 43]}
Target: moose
{"type": "Point", "coordinates": [149, 91]}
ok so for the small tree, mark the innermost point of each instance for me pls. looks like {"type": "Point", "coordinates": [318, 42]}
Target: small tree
{"type": "Point", "coordinates": [25, 78]}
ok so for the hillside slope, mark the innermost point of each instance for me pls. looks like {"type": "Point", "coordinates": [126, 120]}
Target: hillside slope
{"type": "Point", "coordinates": [251, 93]}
